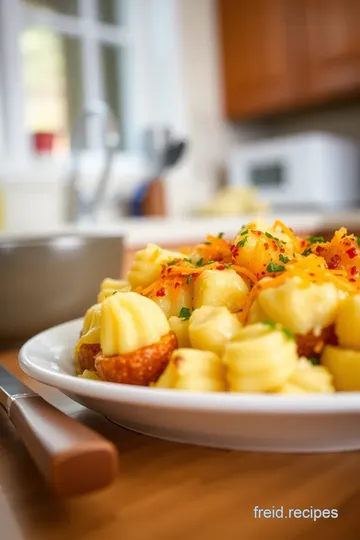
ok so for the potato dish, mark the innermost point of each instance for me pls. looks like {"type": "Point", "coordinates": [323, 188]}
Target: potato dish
{"type": "Point", "coordinates": [265, 311]}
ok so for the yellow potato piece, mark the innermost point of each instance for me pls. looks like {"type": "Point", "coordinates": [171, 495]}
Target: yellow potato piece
{"type": "Point", "coordinates": [109, 286]}
{"type": "Point", "coordinates": [174, 299]}
{"type": "Point", "coordinates": [301, 308]}
{"type": "Point", "coordinates": [220, 288]}
{"type": "Point", "coordinates": [130, 321]}
{"type": "Point", "coordinates": [181, 329]}
{"type": "Point", "coordinates": [344, 365]}
{"type": "Point", "coordinates": [307, 378]}
{"type": "Point", "coordinates": [259, 359]}
{"type": "Point", "coordinates": [210, 328]}
{"type": "Point", "coordinates": [194, 370]}
{"type": "Point", "coordinates": [146, 267]}
{"type": "Point", "coordinates": [347, 325]}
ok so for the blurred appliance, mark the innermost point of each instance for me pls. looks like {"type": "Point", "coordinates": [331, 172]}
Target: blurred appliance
{"type": "Point", "coordinates": [310, 169]}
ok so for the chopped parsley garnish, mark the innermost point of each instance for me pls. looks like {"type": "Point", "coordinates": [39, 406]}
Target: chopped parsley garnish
{"type": "Point", "coordinates": [228, 265]}
{"type": "Point", "coordinates": [210, 262]}
{"type": "Point", "coordinates": [272, 324]}
{"type": "Point", "coordinates": [244, 232]}
{"type": "Point", "coordinates": [171, 263]}
{"type": "Point", "coordinates": [207, 243]}
{"type": "Point", "coordinates": [316, 239]}
{"type": "Point", "coordinates": [273, 238]}
{"type": "Point", "coordinates": [283, 258]}
{"type": "Point", "coordinates": [115, 292]}
{"type": "Point", "coordinates": [306, 252]}
{"type": "Point", "coordinates": [273, 267]}
{"type": "Point", "coordinates": [184, 313]}
{"type": "Point", "coordinates": [189, 278]}
{"type": "Point", "coordinates": [288, 333]}
{"type": "Point", "coordinates": [358, 240]}
{"type": "Point", "coordinates": [242, 242]}
{"type": "Point", "coordinates": [276, 326]}
{"type": "Point", "coordinates": [314, 361]}
{"type": "Point", "coordinates": [187, 260]}
{"type": "Point", "coordinates": [220, 235]}
{"type": "Point", "coordinates": [200, 262]}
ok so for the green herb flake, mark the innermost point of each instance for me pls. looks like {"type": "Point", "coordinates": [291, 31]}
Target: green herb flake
{"type": "Point", "coordinates": [244, 232]}
{"type": "Point", "coordinates": [172, 263]}
{"type": "Point", "coordinates": [187, 260]}
{"type": "Point", "coordinates": [272, 324]}
{"type": "Point", "coordinates": [207, 243]}
{"type": "Point", "coordinates": [314, 361]}
{"type": "Point", "coordinates": [316, 239]}
{"type": "Point", "coordinates": [276, 326]}
{"type": "Point", "coordinates": [210, 262]}
{"type": "Point", "coordinates": [358, 240]}
{"type": "Point", "coordinates": [283, 259]}
{"type": "Point", "coordinates": [200, 262]}
{"type": "Point", "coordinates": [306, 252]}
{"type": "Point", "coordinates": [273, 267]}
{"type": "Point", "coordinates": [288, 333]}
{"type": "Point", "coordinates": [277, 241]}
{"type": "Point", "coordinates": [189, 278]}
{"type": "Point", "coordinates": [242, 242]}
{"type": "Point", "coordinates": [184, 313]}
{"type": "Point", "coordinates": [228, 265]}
{"type": "Point", "coordinates": [220, 235]}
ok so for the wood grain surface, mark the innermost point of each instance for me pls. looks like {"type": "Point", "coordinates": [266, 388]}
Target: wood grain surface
{"type": "Point", "coordinates": [168, 491]}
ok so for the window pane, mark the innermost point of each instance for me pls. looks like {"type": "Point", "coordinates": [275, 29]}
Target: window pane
{"type": "Point", "coordinates": [112, 60]}
{"type": "Point", "coordinates": [53, 84]}
{"type": "Point", "coordinates": [111, 11]}
{"type": "Point", "coordinates": [67, 7]}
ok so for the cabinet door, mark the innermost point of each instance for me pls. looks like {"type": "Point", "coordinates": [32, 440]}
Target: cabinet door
{"type": "Point", "coordinates": [332, 29]}
{"type": "Point", "coordinates": [256, 49]}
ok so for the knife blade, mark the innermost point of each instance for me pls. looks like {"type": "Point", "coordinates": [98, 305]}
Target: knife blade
{"type": "Point", "coordinates": [72, 458]}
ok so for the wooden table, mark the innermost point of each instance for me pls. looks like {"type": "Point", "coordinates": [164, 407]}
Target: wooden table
{"type": "Point", "coordinates": [168, 491]}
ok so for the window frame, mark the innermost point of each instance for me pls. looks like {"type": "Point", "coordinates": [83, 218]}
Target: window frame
{"type": "Point", "coordinates": [91, 32]}
{"type": "Point", "coordinates": [153, 90]}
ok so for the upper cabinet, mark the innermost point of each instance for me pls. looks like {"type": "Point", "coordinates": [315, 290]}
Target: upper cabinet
{"type": "Point", "coordinates": [284, 54]}
{"type": "Point", "coordinates": [332, 31]}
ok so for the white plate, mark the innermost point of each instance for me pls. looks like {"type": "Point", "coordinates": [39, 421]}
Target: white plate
{"type": "Point", "coordinates": [261, 422]}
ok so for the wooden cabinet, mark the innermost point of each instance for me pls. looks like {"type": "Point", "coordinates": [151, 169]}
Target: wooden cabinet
{"type": "Point", "coordinates": [332, 29]}
{"type": "Point", "coordinates": [256, 58]}
{"type": "Point", "coordinates": [281, 55]}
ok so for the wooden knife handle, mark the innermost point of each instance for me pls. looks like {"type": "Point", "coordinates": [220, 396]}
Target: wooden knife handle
{"type": "Point", "coordinates": [72, 458]}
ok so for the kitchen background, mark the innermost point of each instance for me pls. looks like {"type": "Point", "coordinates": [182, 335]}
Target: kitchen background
{"type": "Point", "coordinates": [233, 93]}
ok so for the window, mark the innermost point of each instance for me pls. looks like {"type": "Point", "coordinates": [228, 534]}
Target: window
{"type": "Point", "coordinates": [57, 56]}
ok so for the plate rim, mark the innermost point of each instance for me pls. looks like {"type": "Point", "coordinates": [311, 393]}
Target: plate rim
{"type": "Point", "coordinates": [225, 402]}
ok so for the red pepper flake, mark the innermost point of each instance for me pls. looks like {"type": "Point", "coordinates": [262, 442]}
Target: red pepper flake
{"type": "Point", "coordinates": [220, 267]}
{"type": "Point", "coordinates": [334, 262]}
{"type": "Point", "coordinates": [351, 252]}
{"type": "Point", "coordinates": [282, 250]}
{"type": "Point", "coordinates": [161, 292]}
{"type": "Point", "coordinates": [352, 279]}
{"type": "Point", "coordinates": [177, 284]}
{"type": "Point", "coordinates": [347, 243]}
{"type": "Point", "coordinates": [311, 274]}
{"type": "Point", "coordinates": [353, 270]}
{"type": "Point", "coordinates": [169, 270]}
{"type": "Point", "coordinates": [266, 245]}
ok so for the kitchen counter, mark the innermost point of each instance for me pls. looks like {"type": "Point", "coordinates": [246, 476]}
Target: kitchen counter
{"type": "Point", "coordinates": [175, 231]}
{"type": "Point", "coordinates": [171, 491]}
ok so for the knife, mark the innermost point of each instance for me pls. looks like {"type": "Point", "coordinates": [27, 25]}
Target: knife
{"type": "Point", "coordinates": [72, 458]}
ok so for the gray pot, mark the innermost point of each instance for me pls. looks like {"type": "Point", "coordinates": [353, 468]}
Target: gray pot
{"type": "Point", "coordinates": [47, 281]}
